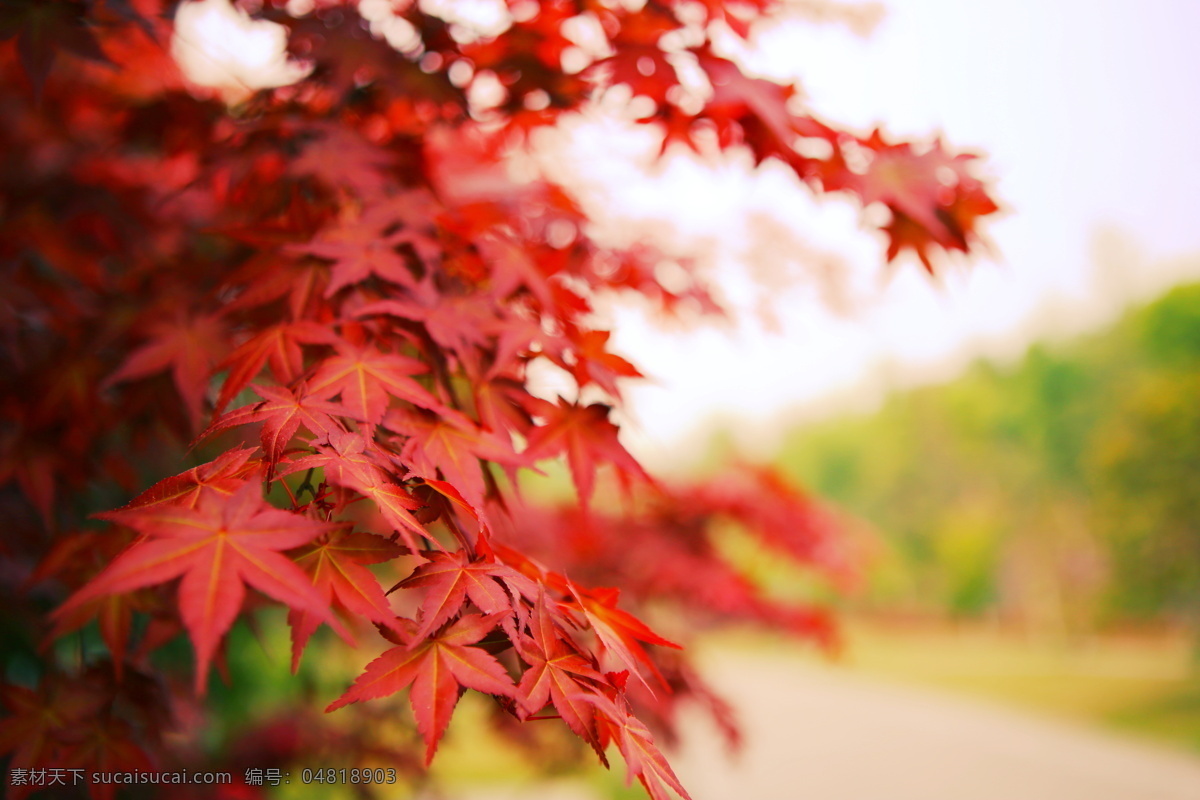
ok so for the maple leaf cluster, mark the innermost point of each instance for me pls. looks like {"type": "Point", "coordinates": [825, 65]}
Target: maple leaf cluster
{"type": "Point", "coordinates": [329, 296]}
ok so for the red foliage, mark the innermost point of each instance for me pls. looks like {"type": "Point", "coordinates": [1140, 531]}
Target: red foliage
{"type": "Point", "coordinates": [348, 259]}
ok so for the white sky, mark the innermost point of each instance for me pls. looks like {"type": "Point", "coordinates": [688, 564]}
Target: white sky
{"type": "Point", "coordinates": [1089, 115]}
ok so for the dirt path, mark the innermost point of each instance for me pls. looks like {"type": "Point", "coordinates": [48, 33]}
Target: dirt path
{"type": "Point", "coordinates": [816, 733]}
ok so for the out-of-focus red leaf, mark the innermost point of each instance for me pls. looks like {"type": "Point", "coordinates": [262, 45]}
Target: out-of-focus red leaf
{"type": "Point", "coordinates": [189, 347]}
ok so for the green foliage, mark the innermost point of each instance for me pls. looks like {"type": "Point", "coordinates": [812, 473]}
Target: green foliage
{"type": "Point", "coordinates": [1060, 493]}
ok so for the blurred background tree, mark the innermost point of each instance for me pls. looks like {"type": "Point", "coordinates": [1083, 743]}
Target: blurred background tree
{"type": "Point", "coordinates": [1057, 493]}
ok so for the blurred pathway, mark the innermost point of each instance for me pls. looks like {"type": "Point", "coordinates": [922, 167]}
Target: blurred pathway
{"type": "Point", "coordinates": [817, 733]}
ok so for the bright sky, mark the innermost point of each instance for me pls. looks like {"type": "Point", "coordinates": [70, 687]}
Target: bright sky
{"type": "Point", "coordinates": [1087, 112]}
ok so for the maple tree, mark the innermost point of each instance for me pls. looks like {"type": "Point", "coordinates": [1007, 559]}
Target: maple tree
{"type": "Point", "coordinates": [326, 297]}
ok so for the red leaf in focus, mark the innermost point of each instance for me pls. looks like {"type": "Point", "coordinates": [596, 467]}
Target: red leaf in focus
{"type": "Point", "coordinates": [453, 445]}
{"type": "Point", "coordinates": [217, 548]}
{"type": "Point", "coordinates": [618, 630]}
{"type": "Point", "coordinates": [437, 669]}
{"type": "Point", "coordinates": [348, 462]}
{"type": "Point", "coordinates": [220, 477]}
{"type": "Point", "coordinates": [282, 412]}
{"type": "Point", "coordinates": [642, 757]}
{"type": "Point", "coordinates": [280, 346]}
{"type": "Point", "coordinates": [336, 566]}
{"type": "Point", "coordinates": [554, 674]}
{"type": "Point", "coordinates": [364, 377]}
{"type": "Point", "coordinates": [448, 580]}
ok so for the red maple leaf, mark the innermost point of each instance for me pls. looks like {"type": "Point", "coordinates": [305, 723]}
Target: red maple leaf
{"type": "Point", "coordinates": [513, 263]}
{"type": "Point", "coordinates": [189, 347]}
{"type": "Point", "coordinates": [217, 548]}
{"type": "Point", "coordinates": [644, 68]}
{"type": "Point", "coordinates": [459, 323]}
{"type": "Point", "coordinates": [78, 722]}
{"type": "Point", "coordinates": [31, 720]}
{"type": "Point", "coordinates": [360, 246]}
{"type": "Point", "coordinates": [450, 444]}
{"type": "Point", "coordinates": [366, 376]}
{"type": "Point", "coordinates": [437, 669]}
{"type": "Point", "coordinates": [758, 107]}
{"type": "Point", "coordinates": [555, 670]}
{"type": "Point", "coordinates": [594, 364]}
{"type": "Point", "coordinates": [340, 156]}
{"type": "Point", "coordinates": [278, 345]}
{"type": "Point", "coordinates": [587, 437]}
{"type": "Point", "coordinates": [619, 631]}
{"type": "Point", "coordinates": [933, 197]}
{"type": "Point", "coordinates": [220, 477]}
{"type": "Point", "coordinates": [448, 580]}
{"type": "Point", "coordinates": [500, 404]}
{"type": "Point", "coordinates": [336, 566]}
{"type": "Point", "coordinates": [75, 559]}
{"type": "Point", "coordinates": [642, 757]}
{"type": "Point", "coordinates": [66, 723]}
{"type": "Point", "coordinates": [349, 462]}
{"type": "Point", "coordinates": [268, 277]}
{"type": "Point", "coordinates": [282, 412]}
